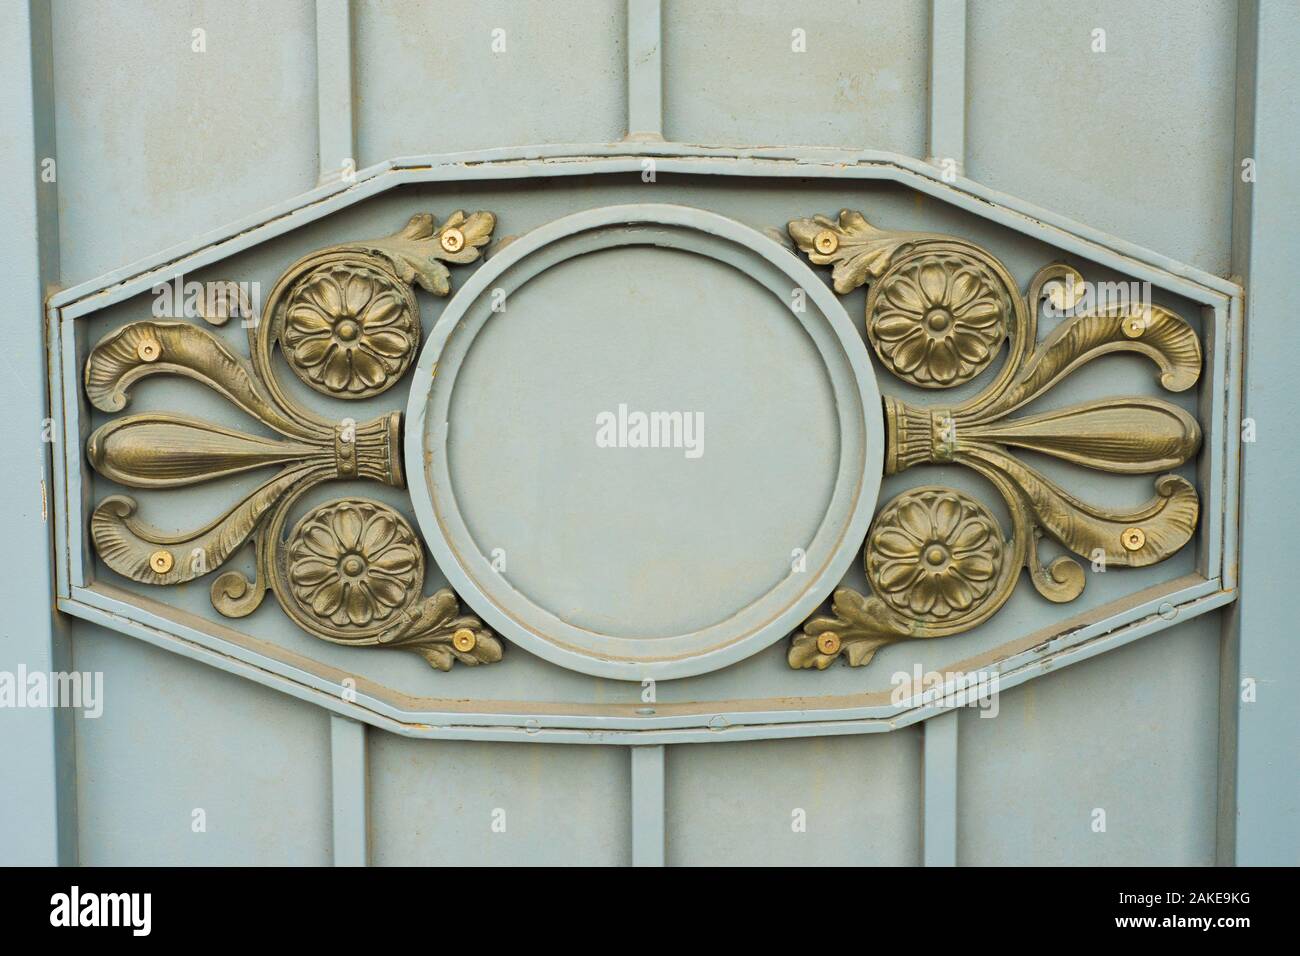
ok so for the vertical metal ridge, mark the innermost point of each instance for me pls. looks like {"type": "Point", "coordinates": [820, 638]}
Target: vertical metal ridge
{"type": "Point", "coordinates": [645, 84]}
{"type": "Point", "coordinates": [947, 120]}
{"type": "Point", "coordinates": [334, 100]}
{"type": "Point", "coordinates": [1258, 803]}
{"type": "Point", "coordinates": [38, 788]}
{"type": "Point", "coordinates": [939, 790]}
{"type": "Point", "coordinates": [648, 806]}
{"type": "Point", "coordinates": [349, 777]}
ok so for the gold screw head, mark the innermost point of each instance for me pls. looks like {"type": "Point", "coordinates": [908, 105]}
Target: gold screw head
{"type": "Point", "coordinates": [826, 242]}
{"type": "Point", "coordinates": [828, 644]}
{"type": "Point", "coordinates": [464, 640]}
{"type": "Point", "coordinates": [1134, 326]}
{"type": "Point", "coordinates": [148, 351]}
{"type": "Point", "coordinates": [161, 561]}
{"type": "Point", "coordinates": [453, 240]}
{"type": "Point", "coordinates": [1133, 538]}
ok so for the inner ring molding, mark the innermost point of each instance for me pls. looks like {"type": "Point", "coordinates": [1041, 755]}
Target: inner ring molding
{"type": "Point", "coordinates": [830, 551]}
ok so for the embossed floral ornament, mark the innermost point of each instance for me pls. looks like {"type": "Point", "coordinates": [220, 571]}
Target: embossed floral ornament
{"type": "Point", "coordinates": [353, 564]}
{"type": "Point", "coordinates": [934, 554]}
{"type": "Point", "coordinates": [370, 594]}
{"type": "Point", "coordinates": [937, 310]}
{"type": "Point", "coordinates": [936, 320]}
{"type": "Point", "coordinates": [351, 329]}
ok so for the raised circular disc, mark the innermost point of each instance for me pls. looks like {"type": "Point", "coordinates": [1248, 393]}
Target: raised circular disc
{"type": "Point", "coordinates": [536, 496]}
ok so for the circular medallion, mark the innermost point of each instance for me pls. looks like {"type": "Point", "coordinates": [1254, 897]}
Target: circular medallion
{"type": "Point", "coordinates": [350, 329]}
{"type": "Point", "coordinates": [938, 316]}
{"type": "Point", "coordinates": [646, 442]}
{"type": "Point", "coordinates": [934, 555]}
{"type": "Point", "coordinates": [352, 564]}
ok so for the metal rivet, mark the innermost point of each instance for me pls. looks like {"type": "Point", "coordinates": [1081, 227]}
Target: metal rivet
{"type": "Point", "coordinates": [148, 351]}
{"type": "Point", "coordinates": [161, 561]}
{"type": "Point", "coordinates": [1134, 326]}
{"type": "Point", "coordinates": [828, 643]}
{"type": "Point", "coordinates": [1133, 538]}
{"type": "Point", "coordinates": [453, 240]}
{"type": "Point", "coordinates": [826, 242]}
{"type": "Point", "coordinates": [464, 640]}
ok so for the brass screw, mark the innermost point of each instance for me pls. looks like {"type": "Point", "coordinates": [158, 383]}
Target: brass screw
{"type": "Point", "coordinates": [464, 640]}
{"type": "Point", "coordinates": [1133, 538]}
{"type": "Point", "coordinates": [826, 242]}
{"type": "Point", "coordinates": [829, 644]}
{"type": "Point", "coordinates": [148, 351]}
{"type": "Point", "coordinates": [161, 561]}
{"type": "Point", "coordinates": [453, 240]}
{"type": "Point", "coordinates": [1134, 326]}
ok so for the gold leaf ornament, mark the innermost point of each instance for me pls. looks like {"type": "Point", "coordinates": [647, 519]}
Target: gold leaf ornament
{"type": "Point", "coordinates": [913, 275]}
{"type": "Point", "coordinates": [937, 309]}
{"type": "Point", "coordinates": [347, 322]}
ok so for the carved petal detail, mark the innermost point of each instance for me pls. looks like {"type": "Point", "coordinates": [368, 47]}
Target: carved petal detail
{"type": "Point", "coordinates": [352, 571]}
{"type": "Point", "coordinates": [937, 565]}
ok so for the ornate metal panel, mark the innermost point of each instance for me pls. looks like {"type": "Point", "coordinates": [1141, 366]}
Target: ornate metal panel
{"type": "Point", "coordinates": [641, 438]}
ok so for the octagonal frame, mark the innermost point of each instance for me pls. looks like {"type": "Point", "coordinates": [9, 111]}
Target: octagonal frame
{"type": "Point", "coordinates": [1070, 640]}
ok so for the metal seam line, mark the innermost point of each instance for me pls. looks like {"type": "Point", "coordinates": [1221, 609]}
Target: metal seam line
{"type": "Point", "coordinates": [947, 133]}
{"type": "Point", "coordinates": [644, 70]}
{"type": "Point", "coordinates": [939, 790]}
{"type": "Point", "coordinates": [348, 775]}
{"type": "Point", "coordinates": [1259, 811]}
{"type": "Point", "coordinates": [38, 792]}
{"type": "Point", "coordinates": [334, 89]}
{"type": "Point", "coordinates": [648, 805]}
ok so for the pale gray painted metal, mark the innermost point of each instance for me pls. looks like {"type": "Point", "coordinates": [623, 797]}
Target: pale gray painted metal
{"type": "Point", "coordinates": [38, 819]}
{"type": "Point", "coordinates": [334, 89]}
{"type": "Point", "coordinates": [939, 789]}
{"type": "Point", "coordinates": [1073, 647]}
{"type": "Point", "coordinates": [1092, 135]}
{"type": "Point", "coordinates": [349, 777]}
{"type": "Point", "coordinates": [947, 139]}
{"type": "Point", "coordinates": [159, 146]}
{"type": "Point", "coordinates": [188, 765]}
{"type": "Point", "coordinates": [647, 806]}
{"type": "Point", "coordinates": [1260, 762]}
{"type": "Point", "coordinates": [737, 73]}
{"type": "Point", "coordinates": [1125, 734]}
{"type": "Point", "coordinates": [645, 72]}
